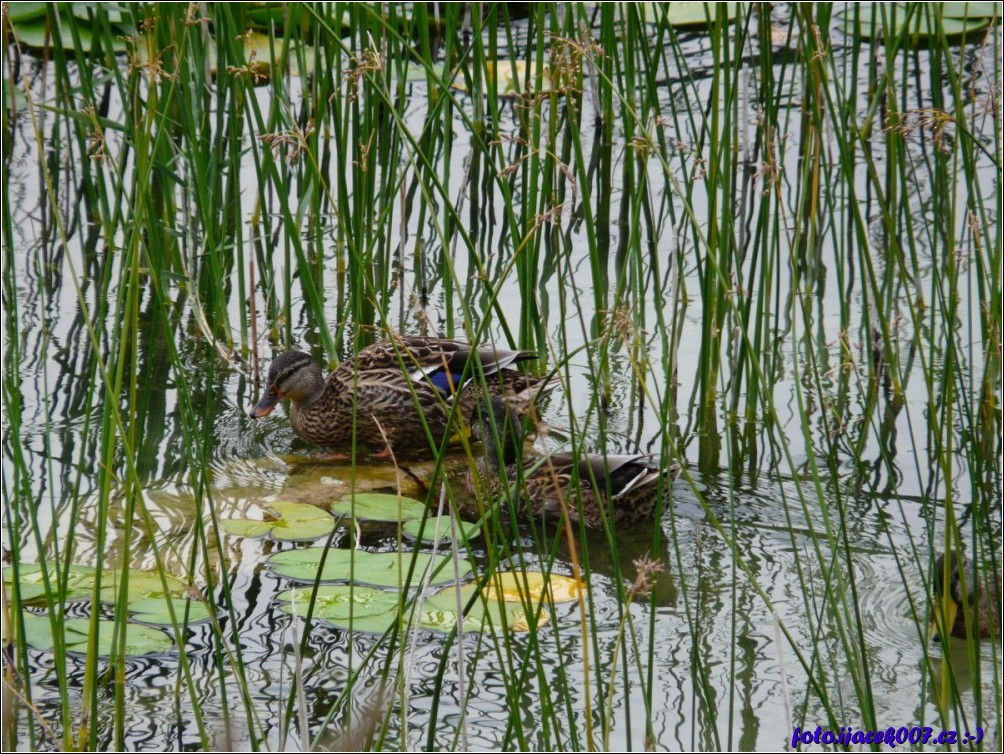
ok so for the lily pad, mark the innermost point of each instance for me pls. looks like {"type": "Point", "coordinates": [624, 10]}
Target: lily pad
{"type": "Point", "coordinates": [970, 10]}
{"type": "Point", "coordinates": [25, 11]}
{"type": "Point", "coordinates": [372, 506]}
{"type": "Point", "coordinates": [258, 50]}
{"type": "Point", "coordinates": [688, 14]}
{"type": "Point", "coordinates": [358, 608]}
{"type": "Point", "coordinates": [80, 582]}
{"type": "Point", "coordinates": [387, 569]}
{"type": "Point", "coordinates": [510, 78]}
{"type": "Point", "coordinates": [361, 608]}
{"type": "Point", "coordinates": [297, 522]}
{"type": "Point", "coordinates": [923, 24]}
{"type": "Point", "coordinates": [142, 585]}
{"type": "Point", "coordinates": [33, 31]}
{"type": "Point", "coordinates": [139, 640]}
{"type": "Point", "coordinates": [533, 587]}
{"type": "Point", "coordinates": [438, 527]}
{"type": "Point", "coordinates": [486, 612]}
{"type": "Point", "coordinates": [155, 610]}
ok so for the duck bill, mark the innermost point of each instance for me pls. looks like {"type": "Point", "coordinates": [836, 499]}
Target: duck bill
{"type": "Point", "coordinates": [948, 610]}
{"type": "Point", "coordinates": [267, 403]}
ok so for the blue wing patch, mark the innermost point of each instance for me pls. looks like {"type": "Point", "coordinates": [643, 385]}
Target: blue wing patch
{"type": "Point", "coordinates": [445, 382]}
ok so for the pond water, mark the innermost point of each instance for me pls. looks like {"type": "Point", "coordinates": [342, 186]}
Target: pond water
{"type": "Point", "coordinates": [716, 658]}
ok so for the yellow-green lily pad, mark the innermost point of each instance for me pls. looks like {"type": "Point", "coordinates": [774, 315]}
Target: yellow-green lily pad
{"type": "Point", "coordinates": [388, 569]}
{"type": "Point", "coordinates": [155, 610]}
{"type": "Point", "coordinates": [486, 612]}
{"type": "Point", "coordinates": [373, 506]}
{"type": "Point", "coordinates": [139, 640]}
{"type": "Point", "coordinates": [532, 587]}
{"type": "Point", "coordinates": [510, 77]}
{"type": "Point", "coordinates": [296, 522]}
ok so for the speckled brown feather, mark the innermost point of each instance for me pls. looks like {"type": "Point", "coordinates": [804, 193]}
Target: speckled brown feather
{"type": "Point", "coordinates": [592, 488]}
{"type": "Point", "coordinates": [384, 393]}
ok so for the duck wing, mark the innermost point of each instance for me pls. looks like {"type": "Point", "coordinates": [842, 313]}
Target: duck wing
{"type": "Point", "coordinates": [441, 362]}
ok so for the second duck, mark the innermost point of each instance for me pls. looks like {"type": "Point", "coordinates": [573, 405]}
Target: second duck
{"type": "Point", "coordinates": [623, 489]}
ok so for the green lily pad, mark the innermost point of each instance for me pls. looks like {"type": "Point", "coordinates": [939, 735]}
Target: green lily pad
{"type": "Point", "coordinates": [155, 610]}
{"type": "Point", "coordinates": [140, 640]}
{"type": "Point", "coordinates": [439, 525]}
{"type": "Point", "coordinates": [80, 583]}
{"type": "Point", "coordinates": [18, 12]}
{"type": "Point", "coordinates": [34, 32]}
{"type": "Point", "coordinates": [970, 10]}
{"type": "Point", "coordinates": [358, 608]}
{"type": "Point", "coordinates": [924, 23]}
{"type": "Point", "coordinates": [361, 608]}
{"type": "Point", "coordinates": [387, 569]}
{"type": "Point", "coordinates": [372, 506]}
{"type": "Point", "coordinates": [687, 14]}
{"type": "Point", "coordinates": [142, 585]}
{"type": "Point", "coordinates": [297, 522]}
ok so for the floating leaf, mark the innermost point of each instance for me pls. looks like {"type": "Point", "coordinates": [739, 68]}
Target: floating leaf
{"type": "Point", "coordinates": [297, 522]}
{"type": "Point", "coordinates": [246, 527]}
{"type": "Point", "coordinates": [155, 610]}
{"type": "Point", "coordinates": [80, 582]}
{"type": "Point", "coordinates": [359, 608]}
{"type": "Point", "coordinates": [438, 527]}
{"type": "Point", "coordinates": [139, 640]}
{"type": "Point", "coordinates": [375, 568]}
{"type": "Point", "coordinates": [511, 79]}
{"type": "Point", "coordinates": [970, 10]}
{"type": "Point", "coordinates": [142, 585]}
{"type": "Point", "coordinates": [532, 587]}
{"type": "Point", "coordinates": [33, 31]}
{"type": "Point", "coordinates": [17, 12]}
{"type": "Point", "coordinates": [688, 14]}
{"type": "Point", "coordinates": [924, 23]}
{"type": "Point", "coordinates": [440, 612]}
{"type": "Point", "coordinates": [372, 506]}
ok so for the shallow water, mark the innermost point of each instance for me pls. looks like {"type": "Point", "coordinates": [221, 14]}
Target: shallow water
{"type": "Point", "coordinates": [717, 644]}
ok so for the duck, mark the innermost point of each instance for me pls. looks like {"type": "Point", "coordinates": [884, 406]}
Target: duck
{"type": "Point", "coordinates": [965, 588]}
{"type": "Point", "coordinates": [624, 488]}
{"type": "Point", "coordinates": [396, 389]}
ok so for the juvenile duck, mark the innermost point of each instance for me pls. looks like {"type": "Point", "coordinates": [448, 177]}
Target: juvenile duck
{"type": "Point", "coordinates": [395, 389]}
{"type": "Point", "coordinates": [626, 487]}
{"type": "Point", "coordinates": [965, 587]}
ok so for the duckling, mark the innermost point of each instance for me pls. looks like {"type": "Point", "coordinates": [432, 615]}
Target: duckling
{"type": "Point", "coordinates": [965, 588]}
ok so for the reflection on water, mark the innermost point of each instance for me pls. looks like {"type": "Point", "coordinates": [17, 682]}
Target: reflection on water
{"type": "Point", "coordinates": [718, 635]}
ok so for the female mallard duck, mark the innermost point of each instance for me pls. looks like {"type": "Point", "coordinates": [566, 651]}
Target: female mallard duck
{"type": "Point", "coordinates": [625, 488]}
{"type": "Point", "coordinates": [395, 389]}
{"type": "Point", "coordinates": [967, 593]}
